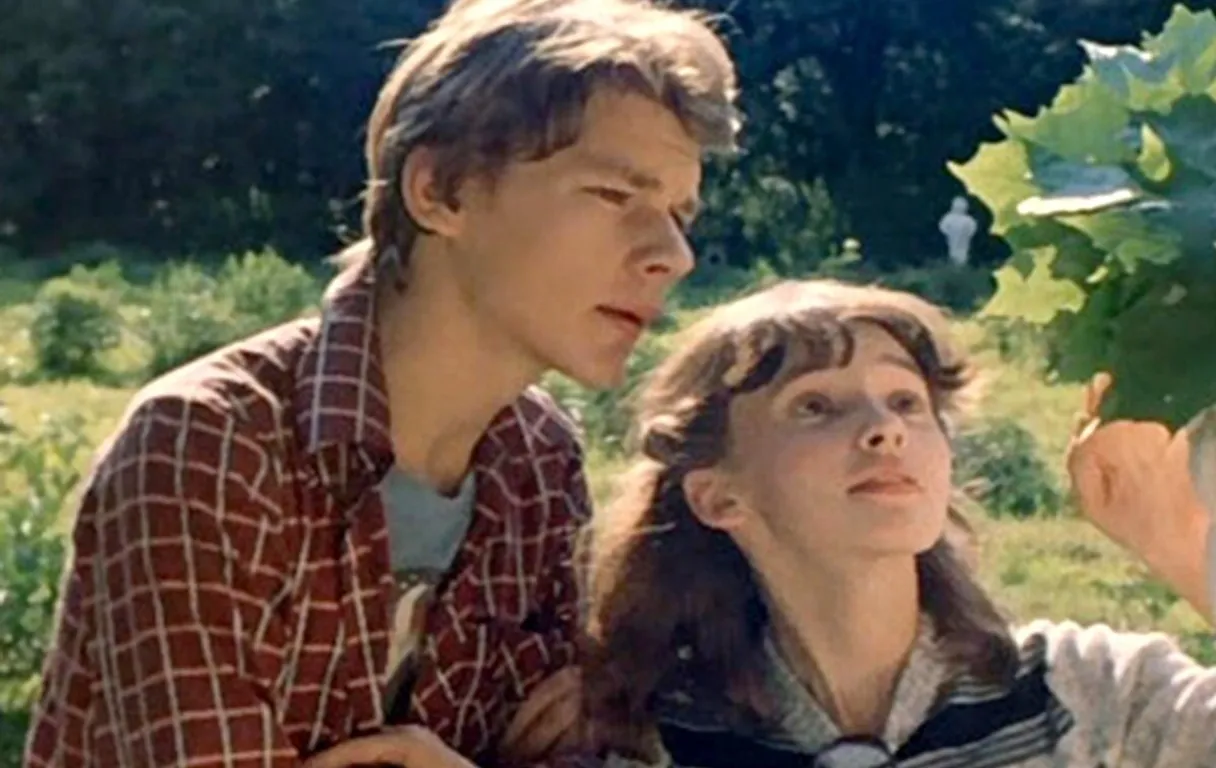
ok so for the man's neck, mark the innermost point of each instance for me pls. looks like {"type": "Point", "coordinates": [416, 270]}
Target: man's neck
{"type": "Point", "coordinates": [447, 375]}
{"type": "Point", "coordinates": [847, 635]}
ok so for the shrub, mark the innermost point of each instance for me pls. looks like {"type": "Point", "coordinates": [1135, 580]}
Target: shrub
{"type": "Point", "coordinates": [961, 289]}
{"type": "Point", "coordinates": [1014, 340]}
{"type": "Point", "coordinates": [715, 284]}
{"type": "Point", "coordinates": [266, 290]}
{"type": "Point", "coordinates": [191, 312]}
{"type": "Point", "coordinates": [604, 416]}
{"type": "Point", "coordinates": [75, 320]}
{"type": "Point", "coordinates": [185, 317]}
{"type": "Point", "coordinates": [38, 473]}
{"type": "Point", "coordinates": [998, 462]}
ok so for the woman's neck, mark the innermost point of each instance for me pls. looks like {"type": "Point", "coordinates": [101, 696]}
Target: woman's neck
{"type": "Point", "coordinates": [847, 633]}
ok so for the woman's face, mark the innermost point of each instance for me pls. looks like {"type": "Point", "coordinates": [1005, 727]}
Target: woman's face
{"type": "Point", "coordinates": [842, 461]}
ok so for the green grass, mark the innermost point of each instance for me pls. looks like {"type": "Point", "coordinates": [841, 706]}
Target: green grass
{"type": "Point", "coordinates": [1057, 567]}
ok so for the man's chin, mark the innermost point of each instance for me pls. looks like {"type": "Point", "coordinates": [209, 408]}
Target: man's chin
{"type": "Point", "coordinates": [600, 377]}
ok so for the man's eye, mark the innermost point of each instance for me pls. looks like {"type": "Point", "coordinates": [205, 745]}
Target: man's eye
{"type": "Point", "coordinates": [612, 195]}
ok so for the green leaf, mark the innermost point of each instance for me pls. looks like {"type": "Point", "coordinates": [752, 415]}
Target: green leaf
{"type": "Point", "coordinates": [1188, 132]}
{"type": "Point", "coordinates": [1084, 123]}
{"type": "Point", "coordinates": [1108, 200]}
{"type": "Point", "coordinates": [1188, 41]}
{"type": "Point", "coordinates": [997, 175]}
{"type": "Point", "coordinates": [1036, 296]}
{"type": "Point", "coordinates": [1076, 257]}
{"type": "Point", "coordinates": [1153, 162]}
{"type": "Point", "coordinates": [1081, 341]}
{"type": "Point", "coordinates": [1138, 78]}
{"type": "Point", "coordinates": [1069, 187]}
{"type": "Point", "coordinates": [1164, 359]}
{"type": "Point", "coordinates": [1129, 236]}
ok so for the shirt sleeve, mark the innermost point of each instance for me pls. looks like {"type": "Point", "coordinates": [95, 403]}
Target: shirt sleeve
{"type": "Point", "coordinates": [1136, 699]}
{"type": "Point", "coordinates": [164, 653]}
{"type": "Point", "coordinates": [562, 593]}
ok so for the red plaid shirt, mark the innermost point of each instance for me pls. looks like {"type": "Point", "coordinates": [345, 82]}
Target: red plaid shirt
{"type": "Point", "coordinates": [228, 598]}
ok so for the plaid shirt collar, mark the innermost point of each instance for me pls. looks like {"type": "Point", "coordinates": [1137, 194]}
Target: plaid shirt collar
{"type": "Point", "coordinates": [340, 394]}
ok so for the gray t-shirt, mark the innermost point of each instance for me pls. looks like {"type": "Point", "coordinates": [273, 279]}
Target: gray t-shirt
{"type": "Point", "coordinates": [425, 531]}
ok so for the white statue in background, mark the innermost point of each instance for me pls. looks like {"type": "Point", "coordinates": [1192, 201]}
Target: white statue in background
{"type": "Point", "coordinates": [959, 227]}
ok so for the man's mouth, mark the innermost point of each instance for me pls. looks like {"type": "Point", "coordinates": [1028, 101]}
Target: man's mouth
{"type": "Point", "coordinates": [641, 318]}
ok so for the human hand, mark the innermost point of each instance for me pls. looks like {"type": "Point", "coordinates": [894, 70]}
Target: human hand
{"type": "Point", "coordinates": [549, 720]}
{"type": "Point", "coordinates": [1132, 479]}
{"type": "Point", "coordinates": [410, 746]}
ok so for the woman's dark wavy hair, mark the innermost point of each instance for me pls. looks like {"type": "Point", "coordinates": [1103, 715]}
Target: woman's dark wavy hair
{"type": "Point", "coordinates": [660, 580]}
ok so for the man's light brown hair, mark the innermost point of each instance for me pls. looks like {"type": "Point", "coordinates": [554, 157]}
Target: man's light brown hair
{"type": "Point", "coordinates": [497, 81]}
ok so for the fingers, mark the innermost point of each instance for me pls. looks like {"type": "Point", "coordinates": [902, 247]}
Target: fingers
{"type": "Point", "coordinates": [1088, 419]}
{"type": "Point", "coordinates": [1095, 393]}
{"type": "Point", "coordinates": [411, 746]}
{"type": "Point", "coordinates": [549, 715]}
{"type": "Point", "coordinates": [383, 748]}
{"type": "Point", "coordinates": [557, 686]}
{"type": "Point", "coordinates": [556, 729]}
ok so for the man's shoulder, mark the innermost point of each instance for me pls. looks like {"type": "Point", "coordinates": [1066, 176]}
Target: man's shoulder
{"type": "Point", "coordinates": [236, 397]}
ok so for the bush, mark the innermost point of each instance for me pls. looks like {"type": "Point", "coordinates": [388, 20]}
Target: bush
{"type": "Point", "coordinates": [605, 416]}
{"type": "Point", "coordinates": [185, 317]}
{"type": "Point", "coordinates": [76, 320]}
{"type": "Point", "coordinates": [191, 312]}
{"type": "Point", "coordinates": [715, 284]}
{"type": "Point", "coordinates": [961, 289]}
{"type": "Point", "coordinates": [998, 462]}
{"type": "Point", "coordinates": [1014, 341]}
{"type": "Point", "coordinates": [38, 473]}
{"type": "Point", "coordinates": [266, 290]}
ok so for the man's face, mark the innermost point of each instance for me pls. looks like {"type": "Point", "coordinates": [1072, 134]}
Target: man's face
{"type": "Point", "coordinates": [568, 259]}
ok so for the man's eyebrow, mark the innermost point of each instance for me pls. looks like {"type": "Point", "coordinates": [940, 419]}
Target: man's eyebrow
{"type": "Point", "coordinates": [641, 180]}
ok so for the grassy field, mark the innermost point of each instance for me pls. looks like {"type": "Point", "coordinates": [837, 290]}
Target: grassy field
{"type": "Point", "coordinates": [1043, 565]}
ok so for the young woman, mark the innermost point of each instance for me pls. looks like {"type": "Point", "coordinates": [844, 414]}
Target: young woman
{"type": "Point", "coordinates": [784, 579]}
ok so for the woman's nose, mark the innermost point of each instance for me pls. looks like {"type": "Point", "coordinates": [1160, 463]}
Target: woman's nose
{"type": "Point", "coordinates": [885, 433]}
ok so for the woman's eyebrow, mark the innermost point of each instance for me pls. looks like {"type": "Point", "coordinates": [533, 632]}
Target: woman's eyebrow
{"type": "Point", "coordinates": [902, 362]}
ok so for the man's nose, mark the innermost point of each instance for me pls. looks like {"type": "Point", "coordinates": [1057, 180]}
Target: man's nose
{"type": "Point", "coordinates": [670, 255]}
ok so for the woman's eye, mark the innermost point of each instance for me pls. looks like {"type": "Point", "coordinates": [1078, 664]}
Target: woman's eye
{"type": "Point", "coordinates": [907, 402]}
{"type": "Point", "coordinates": [814, 406]}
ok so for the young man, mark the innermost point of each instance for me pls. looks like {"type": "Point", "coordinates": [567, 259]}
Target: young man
{"type": "Point", "coordinates": [366, 519]}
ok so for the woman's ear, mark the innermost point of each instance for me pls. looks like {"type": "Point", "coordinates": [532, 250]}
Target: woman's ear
{"type": "Point", "coordinates": [432, 208]}
{"type": "Point", "coordinates": [711, 500]}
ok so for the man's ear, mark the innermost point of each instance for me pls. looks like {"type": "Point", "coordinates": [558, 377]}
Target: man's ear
{"type": "Point", "coordinates": [711, 499]}
{"type": "Point", "coordinates": [432, 207]}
